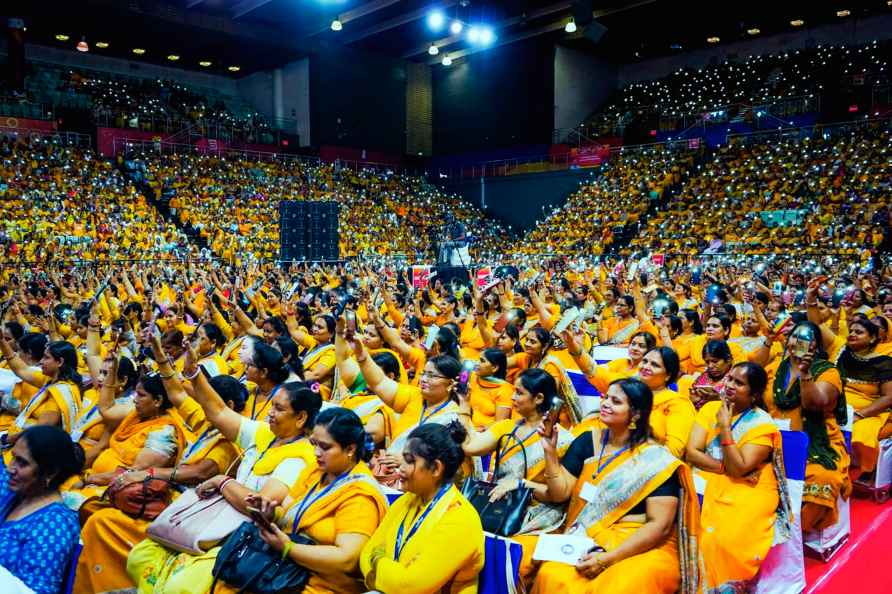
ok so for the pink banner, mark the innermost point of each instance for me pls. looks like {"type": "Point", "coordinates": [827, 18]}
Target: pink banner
{"type": "Point", "coordinates": [110, 139]}
{"type": "Point", "coordinates": [590, 156]}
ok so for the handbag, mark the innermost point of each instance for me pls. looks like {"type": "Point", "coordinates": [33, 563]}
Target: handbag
{"type": "Point", "coordinates": [505, 516]}
{"type": "Point", "coordinates": [145, 499]}
{"type": "Point", "coordinates": [247, 563]}
{"type": "Point", "coordinates": [193, 525]}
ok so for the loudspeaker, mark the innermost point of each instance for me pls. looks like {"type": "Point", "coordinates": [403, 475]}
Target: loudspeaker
{"type": "Point", "coordinates": [308, 231]}
{"type": "Point", "coordinates": [595, 31]}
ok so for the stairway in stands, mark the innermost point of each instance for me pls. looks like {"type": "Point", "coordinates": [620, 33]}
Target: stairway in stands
{"type": "Point", "coordinates": [162, 205]}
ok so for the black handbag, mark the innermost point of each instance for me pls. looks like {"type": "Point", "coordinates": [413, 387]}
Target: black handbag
{"type": "Point", "coordinates": [505, 516]}
{"type": "Point", "coordinates": [249, 564]}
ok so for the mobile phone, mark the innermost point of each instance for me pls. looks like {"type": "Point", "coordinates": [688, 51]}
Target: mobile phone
{"type": "Point", "coordinates": [260, 518]}
{"type": "Point", "coordinates": [465, 377]}
{"type": "Point", "coordinates": [431, 337]}
{"type": "Point", "coordinates": [568, 318]}
{"type": "Point", "coordinates": [350, 315]}
{"type": "Point", "coordinates": [501, 322]}
{"type": "Point", "coordinates": [551, 418]}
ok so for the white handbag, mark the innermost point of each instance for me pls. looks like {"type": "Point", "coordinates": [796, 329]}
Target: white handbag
{"type": "Point", "coordinates": [193, 525]}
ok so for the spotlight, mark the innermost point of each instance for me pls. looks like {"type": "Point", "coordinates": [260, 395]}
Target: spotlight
{"type": "Point", "coordinates": [433, 50]}
{"type": "Point", "coordinates": [173, 57]}
{"type": "Point", "coordinates": [82, 45]}
{"type": "Point", "coordinates": [436, 20]}
{"type": "Point", "coordinates": [712, 39]}
{"type": "Point", "coordinates": [843, 13]}
{"type": "Point", "coordinates": [570, 27]}
{"type": "Point", "coordinates": [456, 27]}
{"type": "Point", "coordinates": [234, 68]}
{"type": "Point", "coordinates": [336, 25]}
{"type": "Point", "coordinates": [204, 63]}
{"type": "Point", "coordinates": [102, 44]}
{"type": "Point", "coordinates": [486, 35]}
{"type": "Point", "coordinates": [447, 61]}
{"type": "Point", "coordinates": [474, 34]}
{"type": "Point", "coordinates": [753, 31]}
{"type": "Point", "coordinates": [138, 51]}
{"type": "Point", "coordinates": [797, 22]}
{"type": "Point", "coordinates": [61, 37]}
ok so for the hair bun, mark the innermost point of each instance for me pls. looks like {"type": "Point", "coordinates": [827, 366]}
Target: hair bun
{"type": "Point", "coordinates": [457, 432]}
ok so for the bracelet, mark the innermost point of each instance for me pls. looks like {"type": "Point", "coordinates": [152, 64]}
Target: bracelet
{"type": "Point", "coordinates": [224, 483]}
{"type": "Point", "coordinates": [550, 476]}
{"type": "Point", "coordinates": [173, 475]}
{"type": "Point", "coordinates": [167, 376]}
{"type": "Point", "coordinates": [730, 442]}
{"type": "Point", "coordinates": [192, 376]}
{"type": "Point", "coordinates": [464, 414]}
{"type": "Point", "coordinates": [572, 354]}
{"type": "Point", "coordinates": [858, 414]}
{"type": "Point", "coordinates": [721, 468]}
{"type": "Point", "coordinates": [287, 549]}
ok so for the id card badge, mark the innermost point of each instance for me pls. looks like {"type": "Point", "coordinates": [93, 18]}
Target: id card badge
{"type": "Point", "coordinates": [588, 492]}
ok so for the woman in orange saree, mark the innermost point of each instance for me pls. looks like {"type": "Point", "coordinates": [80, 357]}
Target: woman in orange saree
{"type": "Point", "coordinates": [736, 448]}
{"type": "Point", "coordinates": [632, 498]}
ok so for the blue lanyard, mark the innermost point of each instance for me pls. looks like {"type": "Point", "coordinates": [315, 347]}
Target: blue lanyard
{"type": "Point", "coordinates": [740, 418]}
{"type": "Point", "coordinates": [398, 546]}
{"type": "Point", "coordinates": [27, 408]}
{"type": "Point", "coordinates": [265, 402]}
{"type": "Point", "coordinates": [307, 502]}
{"type": "Point", "coordinates": [194, 445]}
{"type": "Point", "coordinates": [433, 412]}
{"type": "Point", "coordinates": [612, 458]}
{"type": "Point", "coordinates": [266, 449]}
{"type": "Point", "coordinates": [517, 442]}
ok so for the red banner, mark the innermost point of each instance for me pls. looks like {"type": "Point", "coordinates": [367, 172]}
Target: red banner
{"type": "Point", "coordinates": [420, 276]}
{"type": "Point", "coordinates": [25, 124]}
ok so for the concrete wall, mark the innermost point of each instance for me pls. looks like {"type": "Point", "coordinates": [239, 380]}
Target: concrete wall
{"type": "Point", "coordinates": [581, 83]}
{"type": "Point", "coordinates": [519, 199]}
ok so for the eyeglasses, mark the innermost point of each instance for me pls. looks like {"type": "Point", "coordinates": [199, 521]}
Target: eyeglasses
{"type": "Point", "coordinates": [431, 375]}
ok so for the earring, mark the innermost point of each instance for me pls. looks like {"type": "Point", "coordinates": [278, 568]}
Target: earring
{"type": "Point", "coordinates": [632, 425]}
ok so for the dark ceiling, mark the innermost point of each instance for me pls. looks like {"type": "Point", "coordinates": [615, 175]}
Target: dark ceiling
{"type": "Point", "coordinates": [260, 34]}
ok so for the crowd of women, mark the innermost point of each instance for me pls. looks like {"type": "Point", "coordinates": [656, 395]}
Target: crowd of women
{"type": "Point", "coordinates": [322, 422]}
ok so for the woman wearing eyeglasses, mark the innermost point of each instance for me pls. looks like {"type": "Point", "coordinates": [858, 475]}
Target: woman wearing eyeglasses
{"type": "Point", "coordinates": [432, 401]}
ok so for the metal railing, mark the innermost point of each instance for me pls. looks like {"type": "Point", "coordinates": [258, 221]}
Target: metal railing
{"type": "Point", "coordinates": [15, 107]}
{"type": "Point", "coordinates": [798, 133]}
{"type": "Point", "coordinates": [65, 138]}
{"type": "Point", "coordinates": [162, 147]}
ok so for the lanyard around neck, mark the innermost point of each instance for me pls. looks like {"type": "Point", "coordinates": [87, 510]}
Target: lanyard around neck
{"type": "Point", "coordinates": [433, 412]}
{"type": "Point", "coordinates": [400, 544]}
{"type": "Point", "coordinates": [612, 458]}
{"type": "Point", "coordinates": [307, 502]}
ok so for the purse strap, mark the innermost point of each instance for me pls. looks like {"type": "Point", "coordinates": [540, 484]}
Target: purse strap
{"type": "Point", "coordinates": [499, 450]}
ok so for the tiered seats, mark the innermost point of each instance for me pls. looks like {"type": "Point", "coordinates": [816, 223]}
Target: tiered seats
{"type": "Point", "coordinates": [593, 216]}
{"type": "Point", "coordinates": [64, 203]}
{"type": "Point", "coordinates": [234, 205]}
{"type": "Point", "coordinates": [835, 192]}
{"type": "Point", "coordinates": [758, 81]}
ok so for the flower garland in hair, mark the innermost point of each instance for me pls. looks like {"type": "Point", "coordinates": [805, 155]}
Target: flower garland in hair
{"type": "Point", "coordinates": [314, 387]}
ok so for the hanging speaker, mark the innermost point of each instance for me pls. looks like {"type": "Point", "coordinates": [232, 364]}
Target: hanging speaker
{"type": "Point", "coordinates": [595, 31]}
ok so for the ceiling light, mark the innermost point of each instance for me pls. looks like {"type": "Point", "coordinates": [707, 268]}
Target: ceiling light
{"type": "Point", "coordinates": [204, 63]}
{"type": "Point", "coordinates": [753, 31]}
{"type": "Point", "coordinates": [486, 35]}
{"type": "Point", "coordinates": [82, 45]}
{"type": "Point", "coordinates": [62, 37]}
{"type": "Point", "coordinates": [570, 27]}
{"type": "Point", "coordinates": [435, 20]}
{"type": "Point", "coordinates": [843, 13]}
{"type": "Point", "coordinates": [797, 22]}
{"type": "Point", "coordinates": [447, 61]}
{"type": "Point", "coordinates": [433, 50]}
{"type": "Point", "coordinates": [102, 44]}
{"type": "Point", "coordinates": [336, 25]}
{"type": "Point", "coordinates": [456, 27]}
{"type": "Point", "coordinates": [234, 68]}
{"type": "Point", "coordinates": [138, 51]}
{"type": "Point", "coordinates": [713, 39]}
{"type": "Point", "coordinates": [173, 57]}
